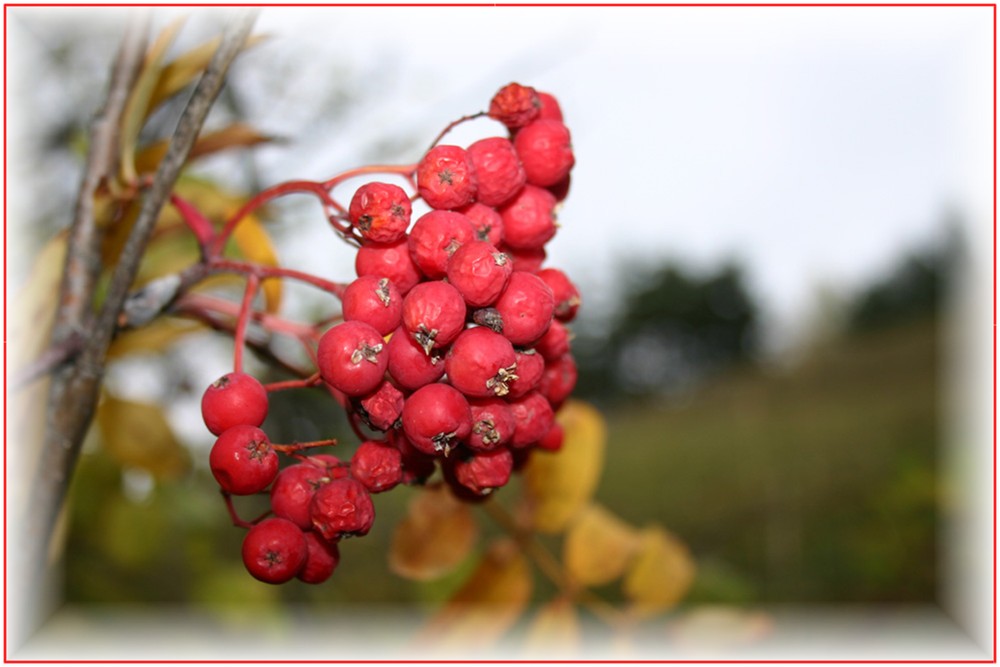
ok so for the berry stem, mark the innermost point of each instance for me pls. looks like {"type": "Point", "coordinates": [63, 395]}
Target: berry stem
{"type": "Point", "coordinates": [196, 222]}
{"type": "Point", "coordinates": [404, 170]}
{"type": "Point", "coordinates": [196, 303]}
{"type": "Point", "coordinates": [310, 381]}
{"type": "Point", "coordinates": [296, 447]}
{"type": "Point", "coordinates": [253, 283]}
{"type": "Point", "coordinates": [235, 266]}
{"type": "Point", "coordinates": [237, 521]}
{"type": "Point", "coordinates": [453, 124]}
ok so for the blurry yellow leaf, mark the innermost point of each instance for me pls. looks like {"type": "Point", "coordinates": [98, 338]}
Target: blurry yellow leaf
{"type": "Point", "coordinates": [661, 573]}
{"type": "Point", "coordinates": [558, 484]}
{"type": "Point", "coordinates": [138, 105]}
{"type": "Point", "coordinates": [32, 316]}
{"type": "Point", "coordinates": [255, 245]}
{"type": "Point", "coordinates": [436, 535]}
{"type": "Point", "coordinates": [232, 136]}
{"type": "Point", "coordinates": [488, 604]}
{"type": "Point", "coordinates": [137, 434]}
{"type": "Point", "coordinates": [555, 628]}
{"type": "Point", "coordinates": [598, 546]}
{"type": "Point", "coordinates": [152, 338]}
{"type": "Point", "coordinates": [187, 67]}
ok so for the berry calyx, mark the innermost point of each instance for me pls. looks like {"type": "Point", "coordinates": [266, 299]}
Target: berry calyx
{"type": "Point", "coordinates": [492, 424]}
{"type": "Point", "coordinates": [409, 363]}
{"type": "Point", "coordinates": [434, 314]}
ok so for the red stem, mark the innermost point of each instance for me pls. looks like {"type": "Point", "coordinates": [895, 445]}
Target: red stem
{"type": "Point", "coordinates": [193, 301]}
{"type": "Point", "coordinates": [405, 170]}
{"type": "Point", "coordinates": [310, 381]}
{"type": "Point", "coordinates": [237, 521]}
{"type": "Point", "coordinates": [234, 266]}
{"type": "Point", "coordinates": [196, 222]}
{"type": "Point", "coordinates": [455, 123]}
{"type": "Point", "coordinates": [296, 447]}
{"type": "Point", "coordinates": [239, 337]}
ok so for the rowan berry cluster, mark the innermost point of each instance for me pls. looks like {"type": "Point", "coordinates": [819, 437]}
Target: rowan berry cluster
{"type": "Point", "coordinates": [453, 353]}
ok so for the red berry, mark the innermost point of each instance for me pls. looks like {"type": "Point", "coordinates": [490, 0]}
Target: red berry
{"type": "Point", "coordinates": [553, 440]}
{"type": "Point", "coordinates": [546, 151]}
{"type": "Point", "coordinates": [434, 314]}
{"type": "Point", "coordinates": [558, 380]}
{"type": "Point", "coordinates": [486, 222]}
{"type": "Point", "coordinates": [351, 358]}
{"type": "Point", "coordinates": [377, 465]}
{"type": "Point", "coordinates": [529, 260]}
{"type": "Point", "coordinates": [483, 472]}
{"type": "Point", "coordinates": [446, 178]}
{"type": "Point", "coordinates": [515, 105]}
{"type": "Point", "coordinates": [409, 364]}
{"type": "Point", "coordinates": [374, 301]}
{"type": "Point", "coordinates": [492, 424]}
{"type": "Point", "coordinates": [498, 170]}
{"type": "Point", "coordinates": [530, 367]}
{"type": "Point", "coordinates": [436, 418]}
{"type": "Point", "coordinates": [533, 417]}
{"type": "Point", "coordinates": [479, 272]}
{"type": "Point", "coordinates": [566, 295]}
{"type": "Point", "coordinates": [234, 399]}
{"type": "Point", "coordinates": [322, 558]}
{"type": "Point", "coordinates": [434, 239]}
{"type": "Point", "coordinates": [525, 308]}
{"type": "Point", "coordinates": [555, 342]}
{"type": "Point", "coordinates": [381, 408]}
{"type": "Point", "coordinates": [390, 261]}
{"type": "Point", "coordinates": [243, 461]}
{"type": "Point", "coordinates": [274, 550]}
{"type": "Point", "coordinates": [293, 490]}
{"type": "Point", "coordinates": [550, 107]}
{"type": "Point", "coordinates": [481, 363]}
{"type": "Point", "coordinates": [381, 212]}
{"type": "Point", "coordinates": [342, 508]}
{"type": "Point", "coordinates": [529, 219]}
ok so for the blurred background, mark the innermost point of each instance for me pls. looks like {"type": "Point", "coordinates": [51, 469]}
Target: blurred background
{"type": "Point", "coordinates": [772, 218]}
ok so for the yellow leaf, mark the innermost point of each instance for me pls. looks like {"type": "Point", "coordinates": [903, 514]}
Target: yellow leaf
{"type": "Point", "coordinates": [138, 105]}
{"type": "Point", "coordinates": [660, 575]}
{"type": "Point", "coordinates": [231, 136]}
{"type": "Point", "coordinates": [436, 535]}
{"type": "Point", "coordinates": [32, 317]}
{"type": "Point", "coordinates": [558, 484]}
{"type": "Point", "coordinates": [137, 434]}
{"type": "Point", "coordinates": [255, 245]}
{"type": "Point", "coordinates": [598, 546]}
{"type": "Point", "coordinates": [155, 337]}
{"type": "Point", "coordinates": [187, 67]}
{"type": "Point", "coordinates": [555, 628]}
{"type": "Point", "coordinates": [488, 604]}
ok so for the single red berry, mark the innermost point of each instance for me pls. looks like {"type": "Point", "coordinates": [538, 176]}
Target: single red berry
{"type": "Point", "coordinates": [243, 461]}
{"type": "Point", "coordinates": [342, 508]}
{"type": "Point", "coordinates": [479, 272]}
{"type": "Point", "coordinates": [492, 424]}
{"type": "Point", "coordinates": [377, 465]}
{"type": "Point", "coordinates": [322, 558]}
{"type": "Point", "coordinates": [382, 408]}
{"type": "Point", "coordinates": [525, 307]}
{"type": "Point", "coordinates": [234, 399]}
{"type": "Point", "coordinates": [546, 151]}
{"type": "Point", "coordinates": [482, 472]}
{"type": "Point", "coordinates": [434, 239]}
{"type": "Point", "coordinates": [558, 380]}
{"type": "Point", "coordinates": [550, 107]}
{"type": "Point", "coordinates": [529, 260]}
{"type": "Point", "coordinates": [553, 440]}
{"type": "Point", "coordinates": [351, 358]}
{"type": "Point", "coordinates": [375, 301]}
{"type": "Point", "coordinates": [481, 363]}
{"type": "Point", "coordinates": [555, 342]}
{"type": "Point", "coordinates": [446, 178]}
{"type": "Point", "coordinates": [565, 293]}
{"type": "Point", "coordinates": [533, 417]}
{"type": "Point", "coordinates": [436, 418]}
{"type": "Point", "coordinates": [381, 212]}
{"type": "Point", "coordinates": [409, 364]}
{"type": "Point", "coordinates": [498, 170]}
{"type": "Point", "coordinates": [530, 367]}
{"type": "Point", "coordinates": [486, 222]}
{"type": "Point", "coordinates": [390, 261]}
{"type": "Point", "coordinates": [529, 219]}
{"type": "Point", "coordinates": [274, 550]}
{"type": "Point", "coordinates": [515, 105]}
{"type": "Point", "coordinates": [293, 490]}
{"type": "Point", "coordinates": [434, 314]}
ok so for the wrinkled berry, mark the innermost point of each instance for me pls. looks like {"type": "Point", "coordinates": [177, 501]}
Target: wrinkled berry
{"type": "Point", "coordinates": [533, 417]}
{"type": "Point", "coordinates": [392, 261]}
{"type": "Point", "coordinates": [479, 272]}
{"type": "Point", "coordinates": [434, 314]}
{"type": "Point", "coordinates": [377, 465]}
{"type": "Point", "coordinates": [446, 178]}
{"type": "Point", "coordinates": [546, 151]}
{"type": "Point", "coordinates": [515, 105]}
{"type": "Point", "coordinates": [342, 508]}
{"type": "Point", "coordinates": [492, 424]}
{"type": "Point", "coordinates": [565, 293]}
{"type": "Point", "coordinates": [498, 170]}
{"type": "Point", "coordinates": [434, 239]}
{"type": "Point", "coordinates": [525, 307]}
{"type": "Point", "coordinates": [382, 408]}
{"type": "Point", "coordinates": [380, 211]}
{"type": "Point", "coordinates": [481, 363]}
{"type": "Point", "coordinates": [293, 490]}
{"type": "Point", "coordinates": [486, 222]}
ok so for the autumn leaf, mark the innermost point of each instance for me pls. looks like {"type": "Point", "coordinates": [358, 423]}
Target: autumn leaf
{"type": "Point", "coordinates": [185, 68]}
{"type": "Point", "coordinates": [661, 574]}
{"type": "Point", "coordinates": [153, 338]}
{"type": "Point", "coordinates": [137, 434]}
{"type": "Point", "coordinates": [437, 534]}
{"type": "Point", "coordinates": [598, 546]}
{"type": "Point", "coordinates": [559, 484]}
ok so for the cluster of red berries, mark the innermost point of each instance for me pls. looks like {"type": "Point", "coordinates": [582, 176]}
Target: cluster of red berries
{"type": "Point", "coordinates": [453, 349]}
